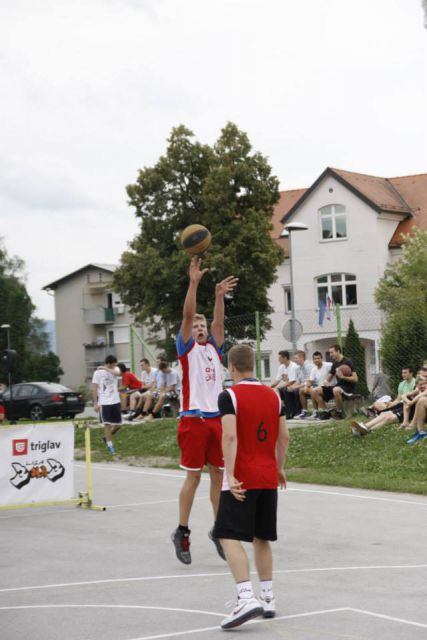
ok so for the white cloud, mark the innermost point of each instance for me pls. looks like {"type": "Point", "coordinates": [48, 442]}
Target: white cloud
{"type": "Point", "coordinates": [94, 87]}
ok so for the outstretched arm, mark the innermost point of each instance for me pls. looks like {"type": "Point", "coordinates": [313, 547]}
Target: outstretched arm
{"type": "Point", "coordinates": [196, 274]}
{"type": "Point", "coordinates": [217, 326]}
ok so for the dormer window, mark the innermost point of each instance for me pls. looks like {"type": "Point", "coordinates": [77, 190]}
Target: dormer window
{"type": "Point", "coordinates": [333, 222]}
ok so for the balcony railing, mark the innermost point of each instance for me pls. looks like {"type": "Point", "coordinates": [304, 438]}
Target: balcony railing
{"type": "Point", "coordinates": [96, 353]}
{"type": "Point", "coordinates": [99, 315]}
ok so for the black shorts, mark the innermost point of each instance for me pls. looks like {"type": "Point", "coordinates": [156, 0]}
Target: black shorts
{"type": "Point", "coordinates": [110, 414]}
{"type": "Point", "coordinates": [255, 517]}
{"type": "Point", "coordinates": [328, 392]}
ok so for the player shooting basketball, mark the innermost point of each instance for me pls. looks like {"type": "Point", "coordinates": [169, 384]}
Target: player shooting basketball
{"type": "Point", "coordinates": [199, 430]}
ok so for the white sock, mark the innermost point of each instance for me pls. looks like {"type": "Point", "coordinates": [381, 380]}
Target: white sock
{"type": "Point", "coordinates": [109, 443]}
{"type": "Point", "coordinates": [244, 590]}
{"type": "Point", "coordinates": [267, 588]}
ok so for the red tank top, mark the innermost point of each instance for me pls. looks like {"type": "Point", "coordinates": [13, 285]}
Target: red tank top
{"type": "Point", "coordinates": [257, 419]}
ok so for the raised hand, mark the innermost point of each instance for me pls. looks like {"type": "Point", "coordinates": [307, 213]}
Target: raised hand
{"type": "Point", "coordinates": [196, 274]}
{"type": "Point", "coordinates": [226, 286]}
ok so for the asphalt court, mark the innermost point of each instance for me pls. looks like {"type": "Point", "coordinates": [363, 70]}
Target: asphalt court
{"type": "Point", "coordinates": [349, 564]}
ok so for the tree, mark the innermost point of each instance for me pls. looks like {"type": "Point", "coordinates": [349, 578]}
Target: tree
{"type": "Point", "coordinates": [26, 334]}
{"type": "Point", "coordinates": [354, 350]}
{"type": "Point", "coordinates": [230, 189]}
{"type": "Point", "coordinates": [402, 295]}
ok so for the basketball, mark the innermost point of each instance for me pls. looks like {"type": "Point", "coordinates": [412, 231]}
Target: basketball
{"type": "Point", "coordinates": [344, 370]}
{"type": "Point", "coordinates": [195, 239]}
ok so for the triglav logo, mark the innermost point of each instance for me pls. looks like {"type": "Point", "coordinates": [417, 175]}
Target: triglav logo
{"type": "Point", "coordinates": [19, 447]}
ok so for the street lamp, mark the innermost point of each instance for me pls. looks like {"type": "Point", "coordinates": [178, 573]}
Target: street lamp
{"type": "Point", "coordinates": [9, 374]}
{"type": "Point", "coordinates": [287, 233]}
{"type": "Point", "coordinates": [7, 327]}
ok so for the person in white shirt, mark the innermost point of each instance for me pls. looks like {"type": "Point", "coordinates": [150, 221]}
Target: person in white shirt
{"type": "Point", "coordinates": [286, 373]}
{"type": "Point", "coordinates": [106, 399]}
{"type": "Point", "coordinates": [167, 381]}
{"type": "Point", "coordinates": [291, 396]}
{"type": "Point", "coordinates": [316, 378]}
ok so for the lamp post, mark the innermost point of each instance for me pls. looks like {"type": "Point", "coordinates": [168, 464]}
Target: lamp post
{"type": "Point", "coordinates": [9, 375]}
{"type": "Point", "coordinates": [7, 327]}
{"type": "Point", "coordinates": [287, 233]}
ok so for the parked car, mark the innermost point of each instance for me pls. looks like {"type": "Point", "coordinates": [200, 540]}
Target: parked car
{"type": "Point", "coordinates": [38, 400]}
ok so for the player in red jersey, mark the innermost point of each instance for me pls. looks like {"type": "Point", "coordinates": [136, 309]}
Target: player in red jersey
{"type": "Point", "coordinates": [255, 440]}
{"type": "Point", "coordinates": [199, 429]}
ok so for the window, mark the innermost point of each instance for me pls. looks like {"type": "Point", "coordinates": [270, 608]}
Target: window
{"type": "Point", "coordinates": [340, 288]}
{"type": "Point", "coordinates": [333, 222]}
{"type": "Point", "coordinates": [266, 372]}
{"type": "Point", "coordinates": [288, 299]}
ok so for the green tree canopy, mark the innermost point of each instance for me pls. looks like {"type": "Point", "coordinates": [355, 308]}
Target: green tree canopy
{"type": "Point", "coordinates": [402, 295]}
{"type": "Point", "coordinates": [227, 187]}
{"type": "Point", "coordinates": [34, 361]}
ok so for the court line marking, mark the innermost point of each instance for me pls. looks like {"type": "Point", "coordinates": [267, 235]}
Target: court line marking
{"type": "Point", "coordinates": [208, 575]}
{"type": "Point", "coordinates": [109, 606]}
{"type": "Point", "coordinates": [108, 506]}
{"type": "Point", "coordinates": [211, 613]}
{"type": "Point", "coordinates": [391, 618]}
{"type": "Point", "coordinates": [297, 489]}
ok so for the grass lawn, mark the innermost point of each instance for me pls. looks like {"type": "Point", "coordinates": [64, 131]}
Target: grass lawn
{"type": "Point", "coordinates": [320, 454]}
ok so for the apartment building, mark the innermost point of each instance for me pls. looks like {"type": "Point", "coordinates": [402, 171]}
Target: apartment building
{"type": "Point", "coordinates": [91, 323]}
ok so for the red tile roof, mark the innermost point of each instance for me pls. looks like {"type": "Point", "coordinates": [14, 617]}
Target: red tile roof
{"type": "Point", "coordinates": [414, 190]}
{"type": "Point", "coordinates": [405, 195]}
{"type": "Point", "coordinates": [287, 200]}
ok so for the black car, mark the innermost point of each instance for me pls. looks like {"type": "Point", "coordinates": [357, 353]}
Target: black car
{"type": "Point", "coordinates": [38, 400]}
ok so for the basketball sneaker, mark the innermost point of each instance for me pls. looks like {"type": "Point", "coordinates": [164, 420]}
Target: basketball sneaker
{"type": "Point", "coordinates": [217, 544]}
{"type": "Point", "coordinates": [418, 435]}
{"type": "Point", "coordinates": [269, 606]}
{"type": "Point", "coordinates": [181, 541]}
{"type": "Point", "coordinates": [111, 449]}
{"type": "Point", "coordinates": [302, 416]}
{"type": "Point", "coordinates": [245, 609]}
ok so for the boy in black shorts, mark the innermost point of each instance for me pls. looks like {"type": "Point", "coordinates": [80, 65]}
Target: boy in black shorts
{"type": "Point", "coordinates": [255, 440]}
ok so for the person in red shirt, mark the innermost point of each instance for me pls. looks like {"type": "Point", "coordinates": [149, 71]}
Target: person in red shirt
{"type": "Point", "coordinates": [254, 441]}
{"type": "Point", "coordinates": [130, 383]}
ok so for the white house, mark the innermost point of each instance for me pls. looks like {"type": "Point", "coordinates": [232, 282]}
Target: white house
{"type": "Point", "coordinates": [355, 225]}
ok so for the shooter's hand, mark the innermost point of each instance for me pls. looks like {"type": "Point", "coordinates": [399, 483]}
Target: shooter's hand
{"type": "Point", "coordinates": [226, 286]}
{"type": "Point", "coordinates": [196, 274]}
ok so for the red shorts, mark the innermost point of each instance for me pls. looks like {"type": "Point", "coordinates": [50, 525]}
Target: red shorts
{"type": "Point", "coordinates": [200, 442]}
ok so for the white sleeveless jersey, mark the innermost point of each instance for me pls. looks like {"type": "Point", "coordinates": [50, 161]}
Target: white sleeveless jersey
{"type": "Point", "coordinates": [201, 378]}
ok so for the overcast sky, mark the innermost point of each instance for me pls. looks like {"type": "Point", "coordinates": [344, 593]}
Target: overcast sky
{"type": "Point", "coordinates": [90, 90]}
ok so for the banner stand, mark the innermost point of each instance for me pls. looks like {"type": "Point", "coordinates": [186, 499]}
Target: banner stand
{"type": "Point", "coordinates": [84, 501]}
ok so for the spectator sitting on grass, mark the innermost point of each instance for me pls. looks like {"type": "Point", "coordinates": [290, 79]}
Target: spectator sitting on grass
{"type": "Point", "coordinates": [345, 385]}
{"type": "Point", "coordinates": [397, 413]}
{"type": "Point", "coordinates": [384, 403]}
{"type": "Point", "coordinates": [317, 378]}
{"type": "Point", "coordinates": [291, 392]}
{"type": "Point", "coordinates": [420, 416]}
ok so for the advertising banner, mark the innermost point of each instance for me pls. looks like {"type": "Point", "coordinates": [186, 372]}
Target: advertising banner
{"type": "Point", "coordinates": [36, 463]}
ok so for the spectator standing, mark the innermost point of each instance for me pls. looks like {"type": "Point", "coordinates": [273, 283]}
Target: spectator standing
{"type": "Point", "coordinates": [255, 440]}
{"type": "Point", "coordinates": [106, 399]}
{"type": "Point", "coordinates": [345, 384]}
